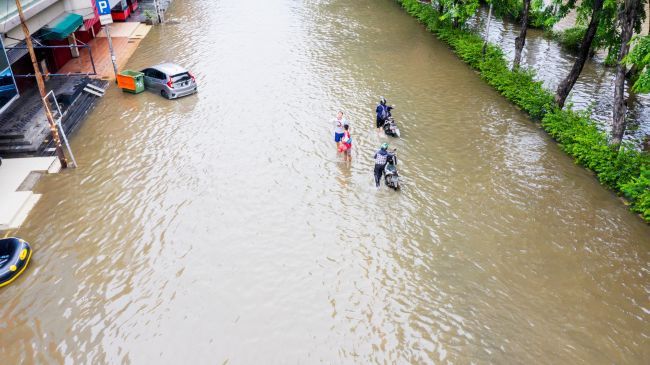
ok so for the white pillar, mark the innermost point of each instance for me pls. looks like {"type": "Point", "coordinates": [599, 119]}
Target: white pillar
{"type": "Point", "coordinates": [72, 41]}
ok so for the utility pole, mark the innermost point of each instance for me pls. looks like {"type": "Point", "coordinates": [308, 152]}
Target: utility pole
{"type": "Point", "coordinates": [103, 8]}
{"type": "Point", "coordinates": [41, 88]}
{"type": "Point", "coordinates": [487, 31]}
{"type": "Point", "coordinates": [159, 13]}
{"type": "Point", "coordinates": [107, 28]}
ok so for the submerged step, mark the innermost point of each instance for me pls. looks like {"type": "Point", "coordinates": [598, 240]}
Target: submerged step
{"type": "Point", "coordinates": [92, 91]}
{"type": "Point", "coordinates": [11, 135]}
{"type": "Point", "coordinates": [15, 207]}
{"type": "Point", "coordinates": [95, 87]}
{"type": "Point", "coordinates": [13, 142]}
{"type": "Point", "coordinates": [16, 181]}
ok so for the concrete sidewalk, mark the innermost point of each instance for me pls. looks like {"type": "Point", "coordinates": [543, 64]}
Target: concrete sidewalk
{"type": "Point", "coordinates": [17, 179]}
{"type": "Point", "coordinates": [126, 39]}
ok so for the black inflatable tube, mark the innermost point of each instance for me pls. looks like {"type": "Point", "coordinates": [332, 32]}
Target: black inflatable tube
{"type": "Point", "coordinates": [14, 257]}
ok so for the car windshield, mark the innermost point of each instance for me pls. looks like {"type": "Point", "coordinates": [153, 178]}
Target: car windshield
{"type": "Point", "coordinates": [181, 77]}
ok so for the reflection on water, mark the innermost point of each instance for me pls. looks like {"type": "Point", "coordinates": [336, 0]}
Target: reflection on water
{"type": "Point", "coordinates": [223, 226]}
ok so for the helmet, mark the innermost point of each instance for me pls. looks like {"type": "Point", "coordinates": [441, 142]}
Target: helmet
{"type": "Point", "coordinates": [382, 100]}
{"type": "Point", "coordinates": [384, 146]}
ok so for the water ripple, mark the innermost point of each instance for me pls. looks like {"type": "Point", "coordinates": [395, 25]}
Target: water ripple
{"type": "Point", "coordinates": [226, 223]}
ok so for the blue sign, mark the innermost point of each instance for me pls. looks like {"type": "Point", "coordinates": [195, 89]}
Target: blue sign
{"type": "Point", "coordinates": [103, 7]}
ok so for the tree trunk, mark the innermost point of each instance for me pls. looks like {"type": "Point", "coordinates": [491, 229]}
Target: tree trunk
{"type": "Point", "coordinates": [566, 85]}
{"type": "Point", "coordinates": [521, 40]}
{"type": "Point", "coordinates": [626, 19]}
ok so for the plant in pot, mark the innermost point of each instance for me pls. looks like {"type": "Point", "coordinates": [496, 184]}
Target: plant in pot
{"type": "Point", "coordinates": [148, 16]}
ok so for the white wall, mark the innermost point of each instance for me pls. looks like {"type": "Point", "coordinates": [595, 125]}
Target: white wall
{"type": "Point", "coordinates": [81, 7]}
{"type": "Point", "coordinates": [9, 14]}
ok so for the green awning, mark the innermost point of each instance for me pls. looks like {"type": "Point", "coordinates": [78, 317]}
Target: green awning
{"type": "Point", "coordinates": [61, 27]}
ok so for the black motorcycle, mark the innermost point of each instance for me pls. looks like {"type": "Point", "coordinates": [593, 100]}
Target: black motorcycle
{"type": "Point", "coordinates": [391, 176]}
{"type": "Point", "coordinates": [390, 127]}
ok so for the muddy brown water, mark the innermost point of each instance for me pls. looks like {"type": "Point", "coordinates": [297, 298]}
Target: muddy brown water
{"type": "Point", "coordinates": [223, 227]}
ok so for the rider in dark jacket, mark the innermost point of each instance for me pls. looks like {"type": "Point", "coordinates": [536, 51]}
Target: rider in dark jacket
{"type": "Point", "coordinates": [381, 157]}
{"type": "Point", "coordinates": [382, 112]}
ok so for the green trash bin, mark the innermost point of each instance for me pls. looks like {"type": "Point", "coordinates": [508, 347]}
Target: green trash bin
{"type": "Point", "coordinates": [131, 81]}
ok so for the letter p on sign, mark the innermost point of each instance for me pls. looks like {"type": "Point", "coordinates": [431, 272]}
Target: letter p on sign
{"type": "Point", "coordinates": [103, 7]}
{"type": "Point", "coordinates": [104, 11]}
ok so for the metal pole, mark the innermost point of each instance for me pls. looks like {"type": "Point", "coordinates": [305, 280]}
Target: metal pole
{"type": "Point", "coordinates": [157, 7]}
{"type": "Point", "coordinates": [67, 144]}
{"type": "Point", "coordinates": [92, 60]}
{"type": "Point", "coordinates": [61, 130]}
{"type": "Point", "coordinates": [161, 14]}
{"type": "Point", "coordinates": [41, 88]}
{"type": "Point", "coordinates": [487, 31]}
{"type": "Point", "coordinates": [110, 47]}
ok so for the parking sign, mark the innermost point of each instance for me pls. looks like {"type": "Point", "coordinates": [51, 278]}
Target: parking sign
{"type": "Point", "coordinates": [104, 11]}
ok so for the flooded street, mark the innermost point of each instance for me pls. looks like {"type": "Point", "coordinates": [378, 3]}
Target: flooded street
{"type": "Point", "coordinates": [224, 228]}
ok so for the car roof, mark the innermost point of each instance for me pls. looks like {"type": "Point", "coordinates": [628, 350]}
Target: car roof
{"type": "Point", "coordinates": [169, 68]}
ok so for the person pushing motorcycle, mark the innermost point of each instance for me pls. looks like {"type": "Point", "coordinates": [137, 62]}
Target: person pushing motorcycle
{"type": "Point", "coordinates": [382, 111]}
{"type": "Point", "coordinates": [381, 158]}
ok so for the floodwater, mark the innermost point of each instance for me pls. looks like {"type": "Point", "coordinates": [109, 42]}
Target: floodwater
{"type": "Point", "coordinates": [594, 90]}
{"type": "Point", "coordinates": [223, 227]}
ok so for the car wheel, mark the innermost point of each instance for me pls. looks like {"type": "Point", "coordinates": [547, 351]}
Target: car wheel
{"type": "Point", "coordinates": [164, 94]}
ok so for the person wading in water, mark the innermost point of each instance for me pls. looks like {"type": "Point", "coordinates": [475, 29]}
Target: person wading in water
{"type": "Point", "coordinates": [346, 145]}
{"type": "Point", "coordinates": [338, 122]}
{"type": "Point", "coordinates": [381, 157]}
{"type": "Point", "coordinates": [382, 113]}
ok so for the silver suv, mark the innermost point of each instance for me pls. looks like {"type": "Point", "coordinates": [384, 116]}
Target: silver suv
{"type": "Point", "coordinates": [170, 80]}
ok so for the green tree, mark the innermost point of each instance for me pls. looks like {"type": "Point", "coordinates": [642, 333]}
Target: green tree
{"type": "Point", "coordinates": [520, 41]}
{"type": "Point", "coordinates": [507, 8]}
{"type": "Point", "coordinates": [628, 17]}
{"type": "Point", "coordinates": [608, 34]}
{"type": "Point", "coordinates": [564, 88]}
{"type": "Point", "coordinates": [639, 57]}
{"type": "Point", "coordinates": [540, 15]}
{"type": "Point", "coordinates": [458, 11]}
